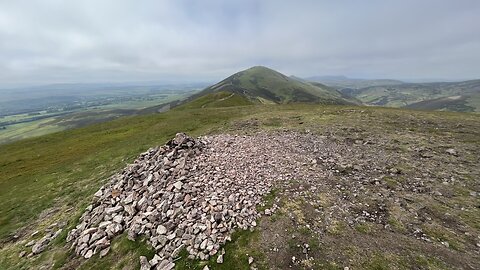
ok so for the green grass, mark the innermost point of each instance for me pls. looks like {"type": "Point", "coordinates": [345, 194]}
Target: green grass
{"type": "Point", "coordinates": [217, 100]}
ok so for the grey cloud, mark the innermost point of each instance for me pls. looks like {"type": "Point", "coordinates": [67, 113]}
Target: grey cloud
{"type": "Point", "coordinates": [59, 41]}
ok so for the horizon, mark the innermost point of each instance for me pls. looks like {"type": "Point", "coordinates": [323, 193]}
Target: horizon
{"type": "Point", "coordinates": [205, 82]}
{"type": "Point", "coordinates": [46, 42]}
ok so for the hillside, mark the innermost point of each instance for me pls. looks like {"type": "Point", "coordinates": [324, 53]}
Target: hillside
{"type": "Point", "coordinates": [342, 82]}
{"type": "Point", "coordinates": [263, 85]}
{"type": "Point", "coordinates": [357, 187]}
{"type": "Point", "coordinates": [450, 96]}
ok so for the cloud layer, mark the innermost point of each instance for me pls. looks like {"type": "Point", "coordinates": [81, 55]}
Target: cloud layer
{"type": "Point", "coordinates": [46, 41]}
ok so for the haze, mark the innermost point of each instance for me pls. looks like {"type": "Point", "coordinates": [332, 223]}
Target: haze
{"type": "Point", "coordinates": [183, 41]}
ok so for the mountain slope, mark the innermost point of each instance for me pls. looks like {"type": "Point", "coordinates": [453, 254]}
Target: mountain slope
{"type": "Point", "coordinates": [341, 82]}
{"type": "Point", "coordinates": [451, 96]}
{"type": "Point", "coordinates": [263, 85]}
{"type": "Point", "coordinates": [217, 100]}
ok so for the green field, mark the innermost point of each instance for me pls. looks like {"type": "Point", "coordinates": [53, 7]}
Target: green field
{"type": "Point", "coordinates": [52, 177]}
{"type": "Point", "coordinates": [21, 126]}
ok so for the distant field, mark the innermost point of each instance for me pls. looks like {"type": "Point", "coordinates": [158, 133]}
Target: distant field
{"type": "Point", "coordinates": [47, 119]}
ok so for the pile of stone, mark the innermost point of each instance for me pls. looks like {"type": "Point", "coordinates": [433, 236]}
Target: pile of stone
{"type": "Point", "coordinates": [189, 194]}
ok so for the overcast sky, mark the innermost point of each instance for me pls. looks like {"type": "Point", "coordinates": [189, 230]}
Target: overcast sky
{"type": "Point", "coordinates": [173, 41]}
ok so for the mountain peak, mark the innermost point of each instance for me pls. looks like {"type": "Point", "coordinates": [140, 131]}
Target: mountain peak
{"type": "Point", "coordinates": [264, 85]}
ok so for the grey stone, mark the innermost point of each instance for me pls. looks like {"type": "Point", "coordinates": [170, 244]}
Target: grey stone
{"type": "Point", "coordinates": [40, 245]}
{"type": "Point", "coordinates": [161, 229]}
{"type": "Point", "coordinates": [144, 264]}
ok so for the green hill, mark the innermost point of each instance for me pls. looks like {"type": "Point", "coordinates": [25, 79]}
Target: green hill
{"type": "Point", "coordinates": [342, 82]}
{"type": "Point", "coordinates": [263, 85]}
{"type": "Point", "coordinates": [451, 96]}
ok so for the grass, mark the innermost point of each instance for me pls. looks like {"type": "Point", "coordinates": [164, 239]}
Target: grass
{"type": "Point", "coordinates": [217, 100]}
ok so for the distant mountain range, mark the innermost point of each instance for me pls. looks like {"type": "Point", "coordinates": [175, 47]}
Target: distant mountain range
{"type": "Point", "coordinates": [446, 96]}
{"type": "Point", "coordinates": [345, 82]}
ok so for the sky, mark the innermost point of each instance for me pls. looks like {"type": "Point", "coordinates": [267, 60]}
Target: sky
{"type": "Point", "coordinates": [85, 41]}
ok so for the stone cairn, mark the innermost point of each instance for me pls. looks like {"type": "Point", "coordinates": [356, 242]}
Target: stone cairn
{"type": "Point", "coordinates": [175, 197]}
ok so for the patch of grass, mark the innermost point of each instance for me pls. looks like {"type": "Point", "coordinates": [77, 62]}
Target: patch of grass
{"type": "Point", "coordinates": [396, 224]}
{"type": "Point", "coordinates": [391, 182]}
{"type": "Point", "coordinates": [378, 262]}
{"type": "Point", "coordinates": [336, 227]}
{"type": "Point", "coordinates": [268, 200]}
{"type": "Point", "coordinates": [216, 100]}
{"type": "Point", "coordinates": [364, 228]}
{"type": "Point", "coordinates": [441, 234]}
{"type": "Point", "coordinates": [273, 122]}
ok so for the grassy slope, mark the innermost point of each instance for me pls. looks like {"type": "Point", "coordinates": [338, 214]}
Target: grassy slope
{"type": "Point", "coordinates": [61, 171]}
{"type": "Point", "coordinates": [217, 100]}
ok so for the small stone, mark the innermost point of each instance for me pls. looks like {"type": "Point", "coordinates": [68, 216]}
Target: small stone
{"type": "Point", "coordinates": [144, 264]}
{"type": "Point", "coordinates": [22, 254]}
{"type": "Point", "coordinates": [220, 259]}
{"type": "Point", "coordinates": [177, 251]}
{"type": "Point", "coordinates": [155, 260]}
{"type": "Point", "coordinates": [206, 267]}
{"type": "Point", "coordinates": [34, 233]}
{"type": "Point", "coordinates": [29, 244]}
{"type": "Point", "coordinates": [178, 185]}
{"type": "Point", "coordinates": [451, 151]}
{"type": "Point", "coordinates": [99, 193]}
{"type": "Point", "coordinates": [104, 252]}
{"type": "Point", "coordinates": [89, 254]}
{"type": "Point", "coordinates": [171, 236]}
{"type": "Point", "coordinates": [41, 245]}
{"type": "Point", "coordinates": [165, 265]}
{"type": "Point", "coordinates": [161, 229]}
{"type": "Point", "coordinates": [250, 260]}
{"type": "Point", "coordinates": [113, 210]}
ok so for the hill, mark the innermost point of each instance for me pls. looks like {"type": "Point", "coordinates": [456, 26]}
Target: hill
{"type": "Point", "coordinates": [405, 181]}
{"type": "Point", "coordinates": [452, 96]}
{"type": "Point", "coordinates": [342, 82]}
{"type": "Point", "coordinates": [263, 85]}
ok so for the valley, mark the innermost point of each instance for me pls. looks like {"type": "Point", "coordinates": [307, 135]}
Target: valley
{"type": "Point", "coordinates": [50, 111]}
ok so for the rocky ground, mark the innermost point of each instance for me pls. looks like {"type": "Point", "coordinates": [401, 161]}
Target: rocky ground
{"type": "Point", "coordinates": [192, 194]}
{"type": "Point", "coordinates": [290, 191]}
